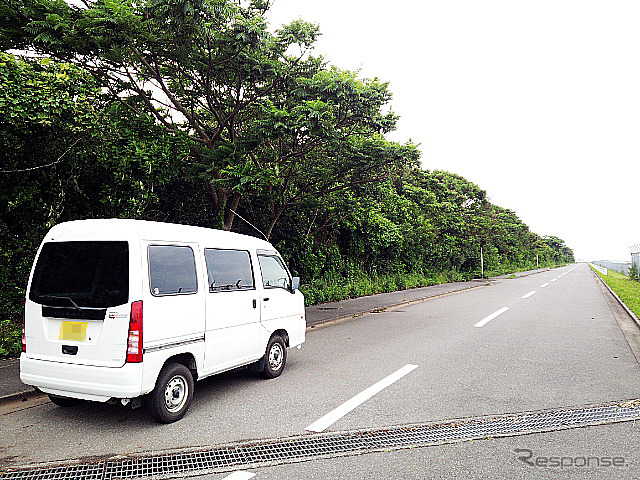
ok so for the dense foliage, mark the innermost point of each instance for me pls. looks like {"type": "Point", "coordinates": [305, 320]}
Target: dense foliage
{"type": "Point", "coordinates": [192, 111]}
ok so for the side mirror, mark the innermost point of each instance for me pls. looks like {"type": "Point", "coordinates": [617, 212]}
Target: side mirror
{"type": "Point", "coordinates": [295, 284]}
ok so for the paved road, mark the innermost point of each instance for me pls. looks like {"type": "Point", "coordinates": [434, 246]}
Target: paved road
{"type": "Point", "coordinates": [11, 388]}
{"type": "Point", "coordinates": [560, 346]}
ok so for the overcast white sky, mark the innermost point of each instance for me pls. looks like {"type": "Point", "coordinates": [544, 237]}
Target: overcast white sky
{"type": "Point", "coordinates": [537, 102]}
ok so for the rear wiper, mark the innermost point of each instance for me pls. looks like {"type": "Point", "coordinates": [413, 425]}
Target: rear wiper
{"type": "Point", "coordinates": [70, 300]}
{"type": "Point", "coordinates": [58, 297]}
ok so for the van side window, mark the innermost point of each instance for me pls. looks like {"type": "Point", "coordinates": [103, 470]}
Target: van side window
{"type": "Point", "coordinates": [229, 270]}
{"type": "Point", "coordinates": [274, 273]}
{"type": "Point", "coordinates": [172, 270]}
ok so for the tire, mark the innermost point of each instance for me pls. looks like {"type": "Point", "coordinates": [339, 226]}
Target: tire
{"type": "Point", "coordinates": [275, 357]}
{"type": "Point", "coordinates": [65, 401]}
{"type": "Point", "coordinates": [170, 400]}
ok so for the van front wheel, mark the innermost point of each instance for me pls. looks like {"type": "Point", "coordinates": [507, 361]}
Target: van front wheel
{"type": "Point", "coordinates": [275, 357]}
{"type": "Point", "coordinates": [170, 400]}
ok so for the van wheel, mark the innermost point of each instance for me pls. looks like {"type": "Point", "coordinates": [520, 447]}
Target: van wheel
{"type": "Point", "coordinates": [275, 357]}
{"type": "Point", "coordinates": [170, 400]}
{"type": "Point", "coordinates": [65, 401]}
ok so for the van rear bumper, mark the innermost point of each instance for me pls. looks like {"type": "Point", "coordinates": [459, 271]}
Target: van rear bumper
{"type": "Point", "coordinates": [82, 381]}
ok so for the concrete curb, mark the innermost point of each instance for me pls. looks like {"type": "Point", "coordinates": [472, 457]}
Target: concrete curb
{"type": "Point", "coordinates": [615, 295]}
{"type": "Point", "coordinates": [21, 395]}
{"type": "Point", "coordinates": [329, 321]}
{"type": "Point", "coordinates": [526, 273]}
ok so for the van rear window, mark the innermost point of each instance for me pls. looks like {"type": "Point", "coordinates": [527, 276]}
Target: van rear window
{"type": "Point", "coordinates": [89, 274]}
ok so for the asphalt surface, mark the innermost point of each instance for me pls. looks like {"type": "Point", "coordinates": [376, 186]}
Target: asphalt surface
{"type": "Point", "coordinates": [11, 387]}
{"type": "Point", "coordinates": [560, 346]}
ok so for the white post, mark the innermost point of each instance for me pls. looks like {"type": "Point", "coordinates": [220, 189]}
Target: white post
{"type": "Point", "coordinates": [537, 264]}
{"type": "Point", "coordinates": [481, 263]}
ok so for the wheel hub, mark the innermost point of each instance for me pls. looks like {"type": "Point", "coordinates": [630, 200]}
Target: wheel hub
{"type": "Point", "coordinates": [275, 356]}
{"type": "Point", "coordinates": [176, 393]}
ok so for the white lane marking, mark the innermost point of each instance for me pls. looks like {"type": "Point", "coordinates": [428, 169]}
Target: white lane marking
{"type": "Point", "coordinates": [339, 412]}
{"type": "Point", "coordinates": [544, 285]}
{"type": "Point", "coordinates": [240, 476]}
{"type": "Point", "coordinates": [486, 320]}
{"type": "Point", "coordinates": [554, 279]}
{"type": "Point", "coordinates": [532, 292]}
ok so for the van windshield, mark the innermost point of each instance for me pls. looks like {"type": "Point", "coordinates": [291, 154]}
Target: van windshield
{"type": "Point", "coordinates": [87, 274]}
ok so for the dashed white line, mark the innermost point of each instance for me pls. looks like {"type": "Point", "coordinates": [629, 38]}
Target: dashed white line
{"type": "Point", "coordinates": [339, 412]}
{"type": "Point", "coordinates": [554, 279]}
{"type": "Point", "coordinates": [544, 285]}
{"type": "Point", "coordinates": [532, 292]}
{"type": "Point", "coordinates": [486, 320]}
{"type": "Point", "coordinates": [239, 475]}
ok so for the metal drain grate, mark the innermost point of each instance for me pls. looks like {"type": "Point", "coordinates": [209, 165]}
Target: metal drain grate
{"type": "Point", "coordinates": [325, 445]}
{"type": "Point", "coordinates": [93, 471]}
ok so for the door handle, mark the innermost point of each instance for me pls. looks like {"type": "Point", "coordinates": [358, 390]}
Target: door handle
{"type": "Point", "coordinates": [255, 303]}
{"type": "Point", "coordinates": [265, 299]}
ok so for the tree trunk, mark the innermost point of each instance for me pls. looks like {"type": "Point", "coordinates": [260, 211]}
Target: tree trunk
{"type": "Point", "coordinates": [235, 201]}
{"type": "Point", "coordinates": [274, 219]}
{"type": "Point", "coordinates": [218, 197]}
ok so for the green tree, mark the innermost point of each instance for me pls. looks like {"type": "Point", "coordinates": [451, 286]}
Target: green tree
{"type": "Point", "coordinates": [327, 135]}
{"type": "Point", "coordinates": [203, 67]}
{"type": "Point", "coordinates": [67, 153]}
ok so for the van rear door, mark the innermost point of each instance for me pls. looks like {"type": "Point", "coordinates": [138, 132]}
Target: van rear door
{"type": "Point", "coordinates": [77, 310]}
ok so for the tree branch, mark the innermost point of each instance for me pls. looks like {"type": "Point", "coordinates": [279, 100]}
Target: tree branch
{"type": "Point", "coordinates": [43, 166]}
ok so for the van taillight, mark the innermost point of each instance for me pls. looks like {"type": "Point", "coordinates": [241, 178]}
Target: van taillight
{"type": "Point", "coordinates": [24, 337]}
{"type": "Point", "coordinates": [134, 340]}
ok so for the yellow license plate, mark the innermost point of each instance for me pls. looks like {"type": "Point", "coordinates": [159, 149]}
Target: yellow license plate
{"type": "Point", "coordinates": [76, 331]}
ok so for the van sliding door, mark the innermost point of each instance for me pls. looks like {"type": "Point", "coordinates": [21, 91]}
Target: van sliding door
{"type": "Point", "coordinates": [233, 317]}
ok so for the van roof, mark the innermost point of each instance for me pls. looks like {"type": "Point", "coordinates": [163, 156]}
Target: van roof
{"type": "Point", "coordinates": [121, 229]}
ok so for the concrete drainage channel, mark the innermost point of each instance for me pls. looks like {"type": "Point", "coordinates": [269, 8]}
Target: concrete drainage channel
{"type": "Point", "coordinates": [301, 448]}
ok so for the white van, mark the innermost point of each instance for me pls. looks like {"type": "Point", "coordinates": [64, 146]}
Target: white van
{"type": "Point", "coordinates": [117, 309]}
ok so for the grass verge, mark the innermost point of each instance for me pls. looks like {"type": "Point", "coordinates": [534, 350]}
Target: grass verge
{"type": "Point", "coordinates": [333, 287]}
{"type": "Point", "coordinates": [628, 290]}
